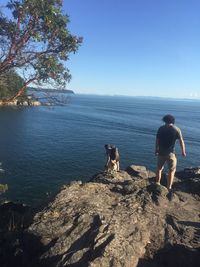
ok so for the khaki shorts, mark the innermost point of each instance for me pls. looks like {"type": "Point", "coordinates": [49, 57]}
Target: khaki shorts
{"type": "Point", "coordinates": [170, 159]}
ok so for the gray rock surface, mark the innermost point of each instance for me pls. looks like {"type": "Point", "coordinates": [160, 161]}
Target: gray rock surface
{"type": "Point", "coordinates": [121, 219]}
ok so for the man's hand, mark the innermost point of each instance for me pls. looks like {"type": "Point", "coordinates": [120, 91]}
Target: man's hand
{"type": "Point", "coordinates": [184, 154]}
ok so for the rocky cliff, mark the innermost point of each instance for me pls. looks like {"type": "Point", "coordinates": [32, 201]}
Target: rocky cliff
{"type": "Point", "coordinates": [115, 220]}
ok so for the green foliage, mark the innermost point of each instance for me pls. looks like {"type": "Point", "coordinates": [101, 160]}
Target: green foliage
{"type": "Point", "coordinates": [37, 41]}
{"type": "Point", "coordinates": [10, 83]}
{"type": "Point", "coordinates": [3, 188]}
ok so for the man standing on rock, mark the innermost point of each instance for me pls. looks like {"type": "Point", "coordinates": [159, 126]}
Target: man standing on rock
{"type": "Point", "coordinates": [165, 142]}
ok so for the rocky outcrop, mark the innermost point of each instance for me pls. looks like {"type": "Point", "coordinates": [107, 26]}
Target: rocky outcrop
{"type": "Point", "coordinates": [23, 101]}
{"type": "Point", "coordinates": [118, 219]}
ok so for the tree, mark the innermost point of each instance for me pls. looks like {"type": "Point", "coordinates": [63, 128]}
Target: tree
{"type": "Point", "coordinates": [35, 42]}
{"type": "Point", "coordinates": [10, 84]}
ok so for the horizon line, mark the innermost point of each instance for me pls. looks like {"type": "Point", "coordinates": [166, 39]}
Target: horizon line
{"type": "Point", "coordinates": [139, 96]}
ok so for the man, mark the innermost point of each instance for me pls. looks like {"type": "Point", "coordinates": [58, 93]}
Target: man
{"type": "Point", "coordinates": [165, 142]}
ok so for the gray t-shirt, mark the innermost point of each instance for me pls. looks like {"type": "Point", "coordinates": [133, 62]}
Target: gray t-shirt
{"type": "Point", "coordinates": [167, 136]}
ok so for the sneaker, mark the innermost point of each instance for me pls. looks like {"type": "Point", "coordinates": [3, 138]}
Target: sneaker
{"type": "Point", "coordinates": [170, 195]}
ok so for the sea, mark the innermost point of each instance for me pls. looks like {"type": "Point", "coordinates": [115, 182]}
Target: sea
{"type": "Point", "coordinates": [44, 148]}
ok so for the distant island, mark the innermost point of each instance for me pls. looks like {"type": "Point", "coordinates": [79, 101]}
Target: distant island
{"type": "Point", "coordinates": [48, 90]}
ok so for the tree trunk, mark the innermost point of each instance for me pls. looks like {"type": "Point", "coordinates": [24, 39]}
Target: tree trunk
{"type": "Point", "coordinates": [19, 93]}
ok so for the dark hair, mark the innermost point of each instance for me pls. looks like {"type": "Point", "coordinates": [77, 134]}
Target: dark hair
{"type": "Point", "coordinates": [168, 119]}
{"type": "Point", "coordinates": [109, 146]}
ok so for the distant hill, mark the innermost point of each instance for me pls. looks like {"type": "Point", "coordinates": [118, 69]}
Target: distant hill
{"type": "Point", "coordinates": [48, 90]}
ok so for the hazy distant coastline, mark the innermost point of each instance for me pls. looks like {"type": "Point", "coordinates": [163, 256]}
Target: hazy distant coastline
{"type": "Point", "coordinates": [142, 97]}
{"type": "Point", "coordinates": [48, 90]}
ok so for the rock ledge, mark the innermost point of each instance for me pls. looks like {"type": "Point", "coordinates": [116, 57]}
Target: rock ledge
{"type": "Point", "coordinates": [116, 220]}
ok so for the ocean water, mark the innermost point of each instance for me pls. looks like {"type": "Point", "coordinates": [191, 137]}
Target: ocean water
{"type": "Point", "coordinates": [42, 148]}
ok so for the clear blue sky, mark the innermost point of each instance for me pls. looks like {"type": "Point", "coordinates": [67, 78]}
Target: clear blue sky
{"type": "Point", "coordinates": [136, 47]}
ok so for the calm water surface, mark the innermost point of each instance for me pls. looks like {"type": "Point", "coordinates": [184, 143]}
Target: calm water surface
{"type": "Point", "coordinates": [43, 148]}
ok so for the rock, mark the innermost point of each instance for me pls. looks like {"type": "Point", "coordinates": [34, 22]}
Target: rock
{"type": "Point", "coordinates": [22, 101]}
{"type": "Point", "coordinates": [190, 180]}
{"type": "Point", "coordinates": [117, 220]}
{"type": "Point", "coordinates": [158, 193]}
{"type": "Point", "coordinates": [36, 103]}
{"type": "Point", "coordinates": [140, 171]}
{"type": "Point", "coordinates": [189, 173]}
{"type": "Point", "coordinates": [114, 220]}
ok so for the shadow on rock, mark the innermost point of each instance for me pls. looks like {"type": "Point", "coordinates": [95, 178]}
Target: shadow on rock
{"type": "Point", "coordinates": [190, 181]}
{"type": "Point", "coordinates": [82, 251]}
{"type": "Point", "coordinates": [125, 188]}
{"type": "Point", "coordinates": [173, 256]}
{"type": "Point", "coordinates": [19, 250]}
{"type": "Point", "coordinates": [190, 186]}
{"type": "Point", "coordinates": [157, 192]}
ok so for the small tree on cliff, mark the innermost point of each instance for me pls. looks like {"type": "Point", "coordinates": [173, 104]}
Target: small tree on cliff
{"type": "Point", "coordinates": [10, 84]}
{"type": "Point", "coordinates": [35, 41]}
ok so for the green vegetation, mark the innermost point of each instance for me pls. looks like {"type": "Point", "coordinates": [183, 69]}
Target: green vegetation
{"type": "Point", "coordinates": [10, 83]}
{"type": "Point", "coordinates": [36, 40]}
{"type": "Point", "coordinates": [3, 188]}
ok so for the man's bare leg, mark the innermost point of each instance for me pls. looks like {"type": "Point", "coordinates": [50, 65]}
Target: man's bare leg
{"type": "Point", "coordinates": [118, 166]}
{"type": "Point", "coordinates": [158, 175]}
{"type": "Point", "coordinates": [170, 179]}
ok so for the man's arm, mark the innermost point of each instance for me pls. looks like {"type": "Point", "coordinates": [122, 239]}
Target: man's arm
{"type": "Point", "coordinates": [181, 142]}
{"type": "Point", "coordinates": [182, 145]}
